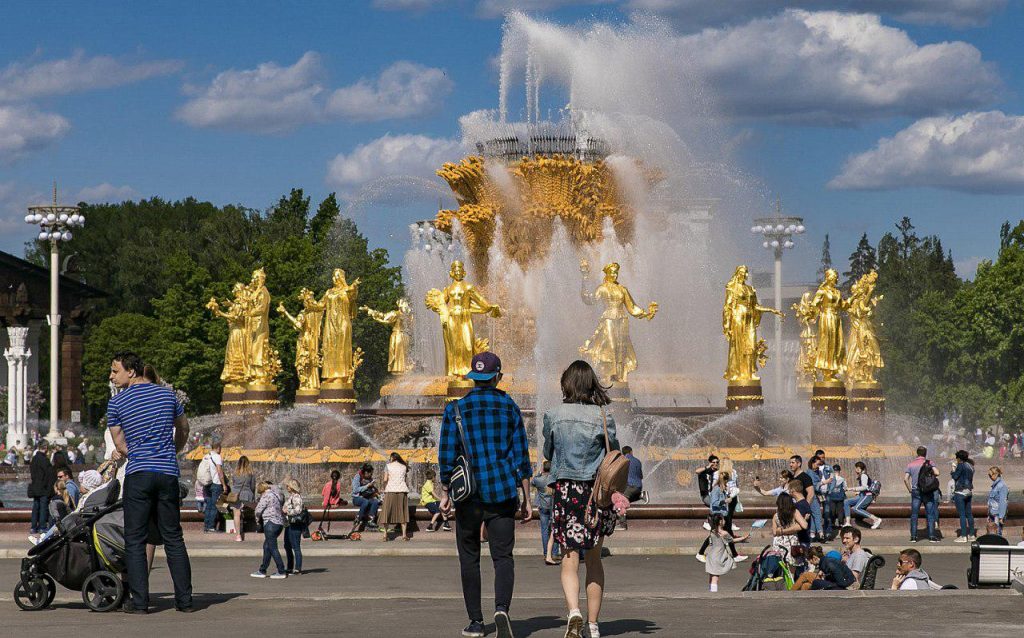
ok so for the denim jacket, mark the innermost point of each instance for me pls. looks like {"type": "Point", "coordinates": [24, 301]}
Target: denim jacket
{"type": "Point", "coordinates": [574, 440]}
{"type": "Point", "coordinates": [997, 498]}
{"type": "Point", "coordinates": [963, 477]}
{"type": "Point", "coordinates": [717, 501]}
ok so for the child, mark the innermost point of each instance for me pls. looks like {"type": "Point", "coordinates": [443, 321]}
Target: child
{"type": "Point", "coordinates": [428, 499]}
{"type": "Point", "coordinates": [836, 497]}
{"type": "Point", "coordinates": [719, 558]}
{"type": "Point", "coordinates": [718, 501]}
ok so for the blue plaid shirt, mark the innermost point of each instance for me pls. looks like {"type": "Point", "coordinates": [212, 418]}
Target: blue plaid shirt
{"type": "Point", "coordinates": [496, 438]}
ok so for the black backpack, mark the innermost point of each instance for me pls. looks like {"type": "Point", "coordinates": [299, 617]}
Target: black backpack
{"type": "Point", "coordinates": [927, 480]}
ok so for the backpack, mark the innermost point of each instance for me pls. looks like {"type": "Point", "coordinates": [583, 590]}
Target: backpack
{"type": "Point", "coordinates": [204, 475]}
{"type": "Point", "coordinates": [927, 481]}
{"type": "Point", "coordinates": [611, 477]}
{"type": "Point", "coordinates": [875, 487]}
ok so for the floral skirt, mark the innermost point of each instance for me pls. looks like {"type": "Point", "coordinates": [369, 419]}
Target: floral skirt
{"type": "Point", "coordinates": [568, 516]}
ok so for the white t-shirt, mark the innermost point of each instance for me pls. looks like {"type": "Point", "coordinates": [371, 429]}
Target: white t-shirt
{"type": "Point", "coordinates": [909, 583]}
{"type": "Point", "coordinates": [108, 445]}
{"type": "Point", "coordinates": [396, 478]}
{"type": "Point", "coordinates": [217, 462]}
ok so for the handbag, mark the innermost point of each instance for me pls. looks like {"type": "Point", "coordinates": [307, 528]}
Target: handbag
{"type": "Point", "coordinates": [461, 485]}
{"type": "Point", "coordinates": [612, 476]}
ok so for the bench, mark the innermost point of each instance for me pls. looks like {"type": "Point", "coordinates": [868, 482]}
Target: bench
{"type": "Point", "coordinates": [994, 565]}
{"type": "Point", "coordinates": [867, 579]}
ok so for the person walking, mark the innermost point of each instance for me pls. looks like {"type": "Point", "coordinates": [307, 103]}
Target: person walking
{"type": "Point", "coordinates": [719, 501]}
{"type": "Point", "coordinates": [295, 517]}
{"type": "Point", "coordinates": [720, 559]}
{"type": "Point", "coordinates": [40, 489]}
{"type": "Point", "coordinates": [577, 435]}
{"type": "Point", "coordinates": [486, 427]}
{"type": "Point", "coordinates": [395, 510]}
{"type": "Point", "coordinates": [922, 481]}
{"type": "Point", "coordinates": [542, 483]}
{"type": "Point", "coordinates": [998, 497]}
{"type": "Point", "coordinates": [865, 490]}
{"type": "Point", "coordinates": [243, 486]}
{"type": "Point", "coordinates": [705, 481]}
{"type": "Point", "coordinates": [212, 468]}
{"type": "Point", "coordinates": [269, 512]}
{"type": "Point", "coordinates": [364, 496]}
{"type": "Point", "coordinates": [963, 490]}
{"type": "Point", "coordinates": [148, 426]}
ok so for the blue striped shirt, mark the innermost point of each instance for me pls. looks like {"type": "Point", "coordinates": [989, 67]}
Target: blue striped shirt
{"type": "Point", "coordinates": [145, 412]}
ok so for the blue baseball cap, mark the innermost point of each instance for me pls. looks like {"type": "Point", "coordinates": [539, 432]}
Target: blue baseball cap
{"type": "Point", "coordinates": [835, 555]}
{"type": "Point", "coordinates": [484, 366]}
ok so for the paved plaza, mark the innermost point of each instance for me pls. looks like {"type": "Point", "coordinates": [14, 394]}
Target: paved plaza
{"type": "Point", "coordinates": [402, 596]}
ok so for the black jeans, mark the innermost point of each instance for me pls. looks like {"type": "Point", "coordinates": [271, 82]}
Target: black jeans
{"type": "Point", "coordinates": [40, 514]}
{"type": "Point", "coordinates": [501, 536]}
{"type": "Point", "coordinates": [145, 493]}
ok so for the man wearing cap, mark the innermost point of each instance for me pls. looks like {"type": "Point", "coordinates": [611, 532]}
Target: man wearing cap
{"type": "Point", "coordinates": [500, 461]}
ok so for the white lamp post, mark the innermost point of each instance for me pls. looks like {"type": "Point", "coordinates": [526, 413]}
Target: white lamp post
{"type": "Point", "coordinates": [55, 222]}
{"type": "Point", "coordinates": [778, 232]}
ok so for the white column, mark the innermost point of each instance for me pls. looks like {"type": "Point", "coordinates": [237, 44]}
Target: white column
{"type": "Point", "coordinates": [778, 326]}
{"type": "Point", "coordinates": [54, 432]}
{"type": "Point", "coordinates": [17, 387]}
{"type": "Point", "coordinates": [23, 402]}
{"type": "Point", "coordinates": [12, 395]}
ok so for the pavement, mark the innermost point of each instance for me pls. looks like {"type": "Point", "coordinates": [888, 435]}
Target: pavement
{"type": "Point", "coordinates": [420, 596]}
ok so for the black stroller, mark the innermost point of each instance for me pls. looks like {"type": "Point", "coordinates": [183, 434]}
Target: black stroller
{"type": "Point", "coordinates": [85, 554]}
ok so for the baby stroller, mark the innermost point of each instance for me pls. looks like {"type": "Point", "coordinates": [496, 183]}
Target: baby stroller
{"type": "Point", "coordinates": [769, 572]}
{"type": "Point", "coordinates": [85, 554]}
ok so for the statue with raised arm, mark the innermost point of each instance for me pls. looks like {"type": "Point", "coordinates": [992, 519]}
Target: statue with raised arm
{"type": "Point", "coordinates": [830, 351]}
{"type": "Point", "coordinates": [339, 307]}
{"type": "Point", "coordinates": [398, 346]}
{"type": "Point", "coordinates": [307, 344]}
{"type": "Point", "coordinates": [863, 355]}
{"type": "Point", "coordinates": [264, 364]}
{"type": "Point", "coordinates": [456, 305]}
{"type": "Point", "coordinates": [236, 353]}
{"type": "Point", "coordinates": [610, 348]}
{"type": "Point", "coordinates": [804, 312]}
{"type": "Point", "coordinates": [741, 316]}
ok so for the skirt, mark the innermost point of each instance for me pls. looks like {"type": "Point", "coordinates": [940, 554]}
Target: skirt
{"type": "Point", "coordinates": [395, 509]}
{"type": "Point", "coordinates": [568, 516]}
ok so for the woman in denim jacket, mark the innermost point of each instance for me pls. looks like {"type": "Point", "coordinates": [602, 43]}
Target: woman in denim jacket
{"type": "Point", "coordinates": [574, 442]}
{"type": "Point", "coordinates": [998, 497]}
{"type": "Point", "coordinates": [963, 488]}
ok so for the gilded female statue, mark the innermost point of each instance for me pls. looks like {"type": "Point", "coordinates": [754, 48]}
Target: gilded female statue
{"type": "Point", "coordinates": [610, 347]}
{"type": "Point", "coordinates": [456, 306]}
{"type": "Point", "coordinates": [828, 302]}
{"type": "Point", "coordinates": [864, 355]}
{"type": "Point", "coordinates": [339, 305]}
{"type": "Point", "coordinates": [741, 317]}
{"type": "Point", "coordinates": [804, 311]}
{"type": "Point", "coordinates": [262, 359]}
{"type": "Point", "coordinates": [398, 346]}
{"type": "Point", "coordinates": [307, 345]}
{"type": "Point", "coordinates": [236, 353]}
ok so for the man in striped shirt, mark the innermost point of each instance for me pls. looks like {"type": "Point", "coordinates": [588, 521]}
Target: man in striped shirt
{"type": "Point", "coordinates": [149, 427]}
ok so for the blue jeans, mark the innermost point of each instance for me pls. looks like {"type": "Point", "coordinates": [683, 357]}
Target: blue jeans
{"type": "Point", "coordinates": [816, 526]}
{"type": "Point", "coordinates": [270, 533]}
{"type": "Point", "coordinates": [40, 514]}
{"type": "Point", "coordinates": [545, 533]}
{"type": "Point", "coordinates": [367, 507]}
{"type": "Point", "coordinates": [858, 505]}
{"type": "Point", "coordinates": [963, 508]}
{"type": "Point", "coordinates": [293, 546]}
{"type": "Point", "coordinates": [931, 512]}
{"type": "Point", "coordinates": [213, 492]}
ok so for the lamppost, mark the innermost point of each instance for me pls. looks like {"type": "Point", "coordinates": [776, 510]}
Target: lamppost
{"type": "Point", "coordinates": [778, 232]}
{"type": "Point", "coordinates": [55, 223]}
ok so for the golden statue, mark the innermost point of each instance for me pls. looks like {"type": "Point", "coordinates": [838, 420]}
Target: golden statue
{"type": "Point", "coordinates": [398, 346]}
{"type": "Point", "coordinates": [307, 345]}
{"type": "Point", "coordinates": [805, 373]}
{"type": "Point", "coordinates": [610, 348]}
{"type": "Point", "coordinates": [236, 353]}
{"type": "Point", "coordinates": [339, 306]}
{"type": "Point", "coordinates": [456, 306]}
{"type": "Point", "coordinates": [863, 356]}
{"type": "Point", "coordinates": [830, 353]}
{"type": "Point", "coordinates": [264, 364]}
{"type": "Point", "coordinates": [741, 317]}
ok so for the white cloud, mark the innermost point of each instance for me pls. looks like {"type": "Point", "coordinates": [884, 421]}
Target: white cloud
{"type": "Point", "coordinates": [14, 202]}
{"type": "Point", "coordinates": [967, 267]}
{"type": "Point", "coordinates": [267, 99]}
{"type": "Point", "coordinates": [498, 8]}
{"type": "Point", "coordinates": [392, 155]}
{"type": "Point", "coordinates": [24, 129]}
{"type": "Point", "coordinates": [105, 192]}
{"type": "Point", "coordinates": [975, 152]}
{"type": "Point", "coordinates": [25, 81]}
{"type": "Point", "coordinates": [404, 89]}
{"type": "Point", "coordinates": [693, 15]}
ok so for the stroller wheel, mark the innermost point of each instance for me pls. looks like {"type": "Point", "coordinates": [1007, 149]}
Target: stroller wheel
{"type": "Point", "coordinates": [38, 594]}
{"type": "Point", "coordinates": [103, 591]}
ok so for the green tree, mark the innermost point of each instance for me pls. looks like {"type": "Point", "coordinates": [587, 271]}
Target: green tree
{"type": "Point", "coordinates": [826, 259]}
{"type": "Point", "coordinates": [862, 261]}
{"type": "Point", "coordinates": [125, 331]}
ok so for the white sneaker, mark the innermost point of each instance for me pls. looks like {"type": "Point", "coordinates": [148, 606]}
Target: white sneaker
{"type": "Point", "coordinates": [278, 576]}
{"type": "Point", "coordinates": [595, 631]}
{"type": "Point", "coordinates": [574, 629]}
{"type": "Point", "coordinates": [32, 538]}
{"type": "Point", "coordinates": [258, 575]}
{"type": "Point", "coordinates": [877, 524]}
{"type": "Point", "coordinates": [735, 527]}
{"type": "Point", "coordinates": [740, 558]}
{"type": "Point", "coordinates": [707, 526]}
{"type": "Point", "coordinates": [960, 539]}
{"type": "Point", "coordinates": [701, 558]}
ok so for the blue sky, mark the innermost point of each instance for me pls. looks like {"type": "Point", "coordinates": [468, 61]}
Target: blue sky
{"type": "Point", "coordinates": [918, 114]}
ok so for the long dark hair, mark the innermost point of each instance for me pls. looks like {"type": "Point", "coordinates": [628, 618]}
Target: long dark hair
{"type": "Point", "coordinates": [785, 508]}
{"type": "Point", "coordinates": [397, 458]}
{"type": "Point", "coordinates": [581, 385]}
